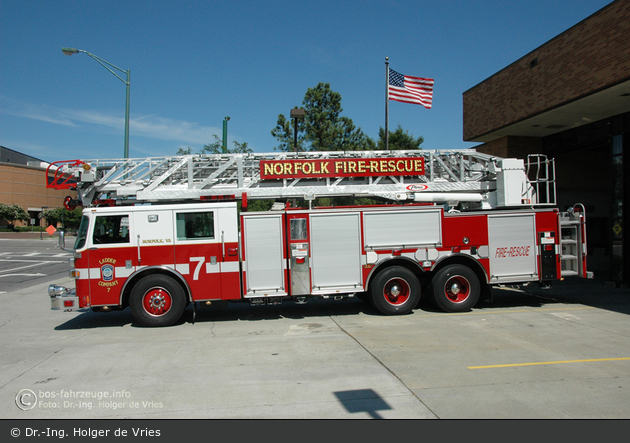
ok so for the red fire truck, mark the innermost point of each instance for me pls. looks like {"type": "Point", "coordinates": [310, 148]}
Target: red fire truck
{"type": "Point", "coordinates": [158, 234]}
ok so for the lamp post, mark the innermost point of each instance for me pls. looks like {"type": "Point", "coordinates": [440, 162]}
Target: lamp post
{"type": "Point", "coordinates": [296, 113]}
{"type": "Point", "coordinates": [225, 120]}
{"type": "Point", "coordinates": [41, 215]}
{"type": "Point", "coordinates": [109, 66]}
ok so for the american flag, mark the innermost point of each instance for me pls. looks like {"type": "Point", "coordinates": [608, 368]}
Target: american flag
{"type": "Point", "coordinates": [407, 89]}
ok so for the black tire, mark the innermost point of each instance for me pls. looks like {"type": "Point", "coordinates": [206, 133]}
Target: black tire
{"type": "Point", "coordinates": [395, 291]}
{"type": "Point", "coordinates": [455, 288]}
{"type": "Point", "coordinates": [157, 300]}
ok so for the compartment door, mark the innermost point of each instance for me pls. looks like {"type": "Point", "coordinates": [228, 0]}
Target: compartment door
{"type": "Point", "coordinates": [264, 263]}
{"type": "Point", "coordinates": [512, 241]}
{"type": "Point", "coordinates": [336, 252]}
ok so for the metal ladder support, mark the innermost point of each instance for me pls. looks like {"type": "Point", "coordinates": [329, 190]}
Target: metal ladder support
{"type": "Point", "coordinates": [457, 173]}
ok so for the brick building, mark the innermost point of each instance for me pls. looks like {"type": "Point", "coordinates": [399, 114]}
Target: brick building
{"type": "Point", "coordinates": [570, 99]}
{"type": "Point", "coordinates": [23, 182]}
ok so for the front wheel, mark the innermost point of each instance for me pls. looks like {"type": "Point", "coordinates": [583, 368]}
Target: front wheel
{"type": "Point", "coordinates": [395, 291]}
{"type": "Point", "coordinates": [455, 288]}
{"type": "Point", "coordinates": [157, 300]}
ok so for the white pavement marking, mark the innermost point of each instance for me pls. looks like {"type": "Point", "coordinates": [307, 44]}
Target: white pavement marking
{"type": "Point", "coordinates": [43, 262]}
{"type": "Point", "coordinates": [22, 267]}
{"type": "Point", "coordinates": [24, 275]}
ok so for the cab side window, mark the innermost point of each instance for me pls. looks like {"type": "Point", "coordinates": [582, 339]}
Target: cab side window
{"type": "Point", "coordinates": [195, 225]}
{"type": "Point", "coordinates": [111, 229]}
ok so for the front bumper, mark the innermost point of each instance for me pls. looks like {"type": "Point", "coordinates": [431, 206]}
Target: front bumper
{"type": "Point", "coordinates": [62, 298]}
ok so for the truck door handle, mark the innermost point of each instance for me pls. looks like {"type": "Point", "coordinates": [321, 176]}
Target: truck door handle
{"type": "Point", "coordinates": [139, 259]}
{"type": "Point", "coordinates": [223, 243]}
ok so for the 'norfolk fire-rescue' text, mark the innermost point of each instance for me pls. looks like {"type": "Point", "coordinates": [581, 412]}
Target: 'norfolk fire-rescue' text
{"type": "Point", "coordinates": [274, 169]}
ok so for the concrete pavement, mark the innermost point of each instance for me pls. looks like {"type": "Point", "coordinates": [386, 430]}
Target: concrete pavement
{"type": "Point", "coordinates": [536, 354]}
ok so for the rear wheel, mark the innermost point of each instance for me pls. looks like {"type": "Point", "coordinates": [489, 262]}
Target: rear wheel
{"type": "Point", "coordinates": [157, 300]}
{"type": "Point", "coordinates": [455, 288]}
{"type": "Point", "coordinates": [395, 291]}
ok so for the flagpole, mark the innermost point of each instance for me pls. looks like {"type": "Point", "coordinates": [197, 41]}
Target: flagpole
{"type": "Point", "coordinates": [387, 103]}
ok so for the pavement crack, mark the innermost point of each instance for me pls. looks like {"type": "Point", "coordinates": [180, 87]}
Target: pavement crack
{"type": "Point", "coordinates": [400, 380]}
{"type": "Point", "coordinates": [52, 354]}
{"type": "Point", "coordinates": [7, 322]}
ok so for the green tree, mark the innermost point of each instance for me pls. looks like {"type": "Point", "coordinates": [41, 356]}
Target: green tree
{"type": "Point", "coordinates": [284, 133]}
{"type": "Point", "coordinates": [216, 147]}
{"type": "Point", "coordinates": [323, 128]}
{"type": "Point", "coordinates": [53, 216]}
{"type": "Point", "coordinates": [72, 219]}
{"type": "Point", "coordinates": [12, 213]}
{"type": "Point", "coordinates": [399, 140]}
{"type": "Point", "coordinates": [68, 219]}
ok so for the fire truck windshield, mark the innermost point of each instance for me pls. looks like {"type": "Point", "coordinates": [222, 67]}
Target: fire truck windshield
{"type": "Point", "coordinates": [82, 232]}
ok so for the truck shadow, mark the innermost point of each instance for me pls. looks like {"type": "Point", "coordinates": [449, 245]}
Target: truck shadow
{"type": "Point", "coordinates": [593, 293]}
{"type": "Point", "coordinates": [88, 319]}
{"type": "Point", "coordinates": [589, 293]}
{"type": "Point", "coordinates": [313, 308]}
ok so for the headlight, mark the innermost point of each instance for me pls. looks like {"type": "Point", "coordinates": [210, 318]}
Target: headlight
{"type": "Point", "coordinates": [56, 291]}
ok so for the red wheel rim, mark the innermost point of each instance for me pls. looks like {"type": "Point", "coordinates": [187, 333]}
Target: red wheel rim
{"type": "Point", "coordinates": [457, 289]}
{"type": "Point", "coordinates": [157, 302]}
{"type": "Point", "coordinates": [396, 291]}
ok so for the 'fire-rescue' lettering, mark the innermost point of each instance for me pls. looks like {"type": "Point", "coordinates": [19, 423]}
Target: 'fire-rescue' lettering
{"type": "Point", "coordinates": [514, 251]}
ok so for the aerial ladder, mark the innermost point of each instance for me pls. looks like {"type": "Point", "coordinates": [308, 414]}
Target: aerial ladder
{"type": "Point", "coordinates": [462, 179]}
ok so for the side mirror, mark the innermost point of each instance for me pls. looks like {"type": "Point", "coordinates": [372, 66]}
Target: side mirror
{"type": "Point", "coordinates": [62, 241]}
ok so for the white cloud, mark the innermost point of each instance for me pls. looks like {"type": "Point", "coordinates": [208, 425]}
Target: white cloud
{"type": "Point", "coordinates": [149, 126]}
{"type": "Point", "coordinates": [34, 112]}
{"type": "Point", "coordinates": [169, 129]}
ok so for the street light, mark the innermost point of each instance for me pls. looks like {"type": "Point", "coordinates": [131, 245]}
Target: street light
{"type": "Point", "coordinates": [296, 113]}
{"type": "Point", "coordinates": [41, 215]}
{"type": "Point", "coordinates": [106, 65]}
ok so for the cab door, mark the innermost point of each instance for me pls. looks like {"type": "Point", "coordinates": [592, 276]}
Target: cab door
{"type": "Point", "coordinates": [198, 251]}
{"type": "Point", "coordinates": [110, 257]}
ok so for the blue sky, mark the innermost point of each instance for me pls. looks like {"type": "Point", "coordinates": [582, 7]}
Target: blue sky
{"type": "Point", "coordinates": [193, 63]}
